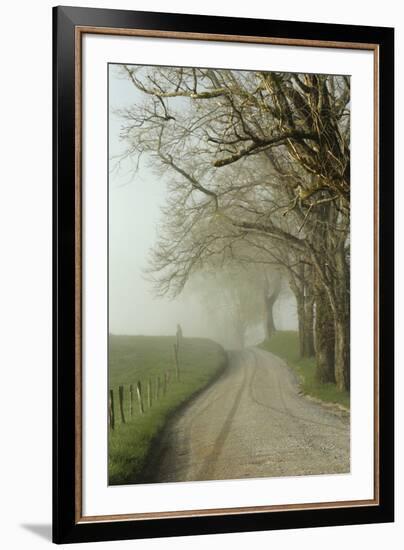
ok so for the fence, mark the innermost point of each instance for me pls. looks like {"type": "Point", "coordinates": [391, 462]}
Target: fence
{"type": "Point", "coordinates": [148, 394]}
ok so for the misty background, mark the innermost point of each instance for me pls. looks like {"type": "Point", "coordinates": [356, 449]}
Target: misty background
{"type": "Point", "coordinates": [135, 201]}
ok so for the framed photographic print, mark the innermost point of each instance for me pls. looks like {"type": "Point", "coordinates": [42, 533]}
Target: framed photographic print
{"type": "Point", "coordinates": [223, 274]}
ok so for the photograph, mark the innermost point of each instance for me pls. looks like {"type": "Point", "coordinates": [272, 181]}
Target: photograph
{"type": "Point", "coordinates": [228, 274]}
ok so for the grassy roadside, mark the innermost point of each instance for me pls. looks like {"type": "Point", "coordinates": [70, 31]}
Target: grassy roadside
{"type": "Point", "coordinates": [285, 344]}
{"type": "Point", "coordinates": [140, 358]}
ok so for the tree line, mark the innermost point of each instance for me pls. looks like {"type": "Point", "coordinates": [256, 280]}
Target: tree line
{"type": "Point", "coordinates": [258, 172]}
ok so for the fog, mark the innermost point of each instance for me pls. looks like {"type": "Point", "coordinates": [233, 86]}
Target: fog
{"type": "Point", "coordinates": [135, 201]}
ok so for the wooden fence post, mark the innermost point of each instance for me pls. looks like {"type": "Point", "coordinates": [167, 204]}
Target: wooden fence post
{"type": "Point", "coordinates": [165, 383]}
{"type": "Point", "coordinates": [177, 368]}
{"type": "Point", "coordinates": [111, 410]}
{"type": "Point", "coordinates": [149, 393]}
{"type": "Point", "coordinates": [139, 397]}
{"type": "Point", "coordinates": [131, 400]}
{"type": "Point", "coordinates": [121, 404]}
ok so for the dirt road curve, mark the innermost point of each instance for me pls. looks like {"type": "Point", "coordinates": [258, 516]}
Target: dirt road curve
{"type": "Point", "coordinates": [253, 423]}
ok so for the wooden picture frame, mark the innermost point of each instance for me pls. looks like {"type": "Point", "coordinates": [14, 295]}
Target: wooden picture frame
{"type": "Point", "coordinates": [69, 522]}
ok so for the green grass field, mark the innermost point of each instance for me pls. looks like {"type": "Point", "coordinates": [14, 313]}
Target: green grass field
{"type": "Point", "coordinates": [285, 344]}
{"type": "Point", "coordinates": [144, 358]}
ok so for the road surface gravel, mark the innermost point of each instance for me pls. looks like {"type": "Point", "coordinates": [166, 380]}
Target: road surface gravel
{"type": "Point", "coordinates": [252, 422]}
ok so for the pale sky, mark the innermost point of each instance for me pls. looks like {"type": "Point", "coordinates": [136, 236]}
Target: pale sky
{"type": "Point", "coordinates": [134, 215]}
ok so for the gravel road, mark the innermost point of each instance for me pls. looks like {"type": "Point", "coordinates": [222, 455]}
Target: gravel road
{"type": "Point", "coordinates": [252, 422]}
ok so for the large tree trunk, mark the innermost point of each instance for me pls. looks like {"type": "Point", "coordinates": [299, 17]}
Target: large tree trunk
{"type": "Point", "coordinates": [308, 336]}
{"type": "Point", "coordinates": [305, 316]}
{"type": "Point", "coordinates": [302, 288]}
{"type": "Point", "coordinates": [270, 297]}
{"type": "Point", "coordinates": [342, 354]}
{"type": "Point", "coordinates": [325, 339]}
{"type": "Point", "coordinates": [331, 263]}
{"type": "Point", "coordinates": [342, 321]}
{"type": "Point", "coordinates": [301, 319]}
{"type": "Point", "coordinates": [339, 301]}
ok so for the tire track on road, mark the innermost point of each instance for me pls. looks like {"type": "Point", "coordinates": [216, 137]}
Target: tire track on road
{"type": "Point", "coordinates": [207, 469]}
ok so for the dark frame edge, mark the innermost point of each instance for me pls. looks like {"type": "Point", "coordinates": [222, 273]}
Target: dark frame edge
{"type": "Point", "coordinates": [65, 528]}
{"type": "Point", "coordinates": [63, 525]}
{"type": "Point", "coordinates": [386, 274]}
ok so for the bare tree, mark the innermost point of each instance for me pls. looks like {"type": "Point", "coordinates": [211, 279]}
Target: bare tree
{"type": "Point", "coordinates": [252, 157]}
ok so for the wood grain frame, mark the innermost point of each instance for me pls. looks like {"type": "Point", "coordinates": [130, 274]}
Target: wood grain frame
{"type": "Point", "coordinates": [70, 25]}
